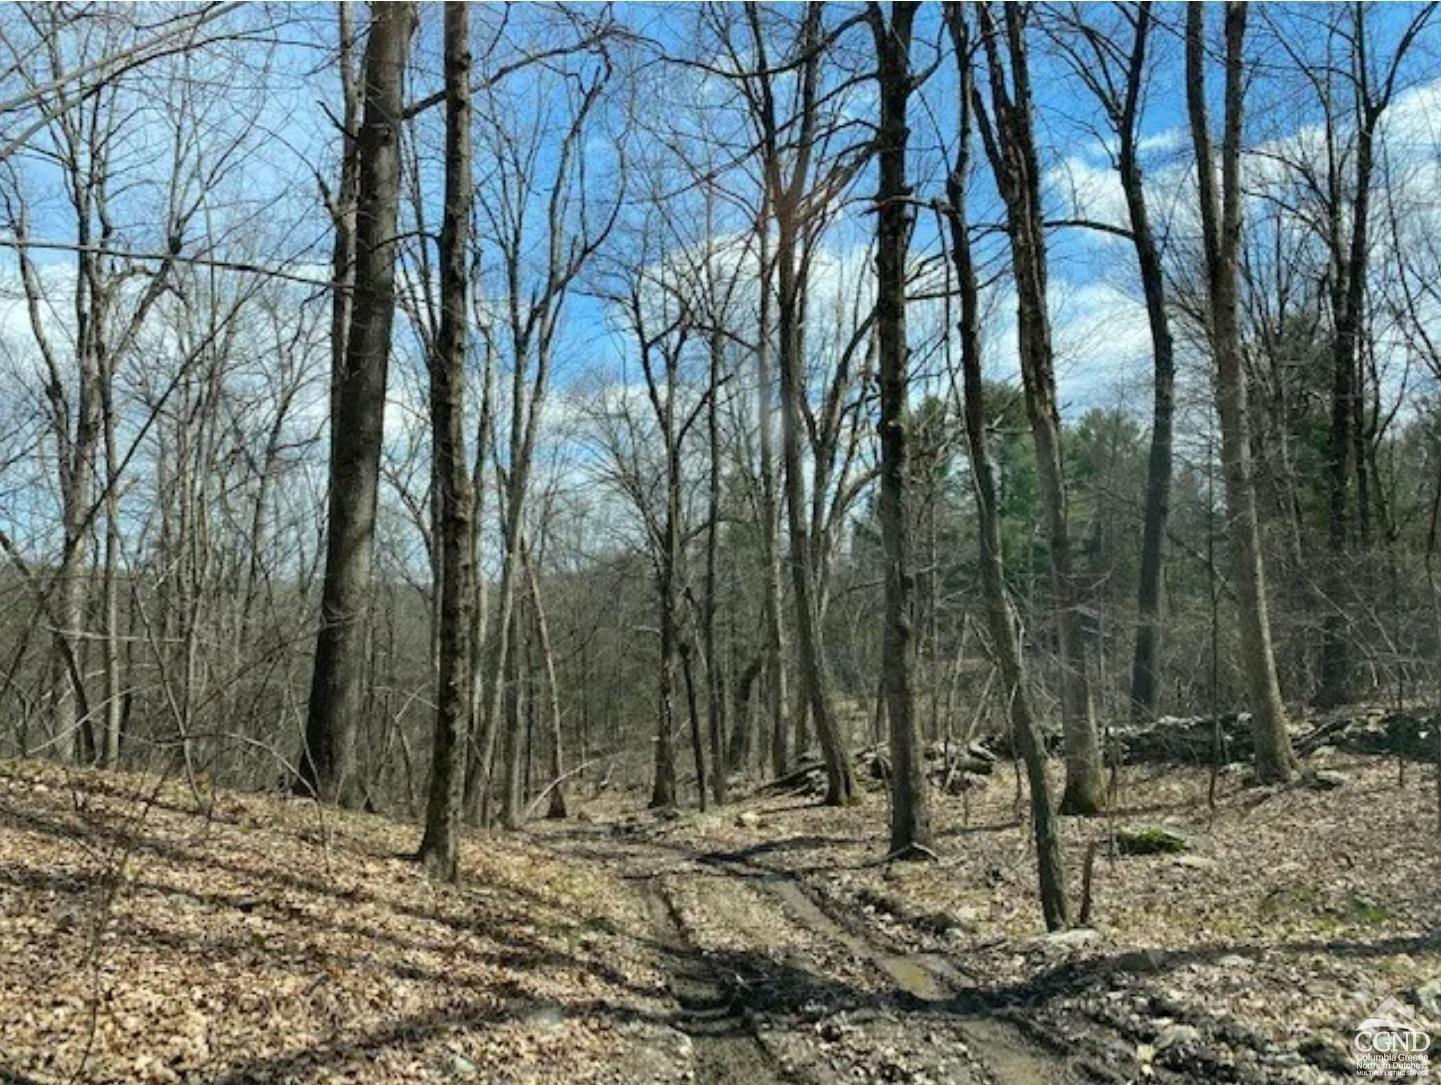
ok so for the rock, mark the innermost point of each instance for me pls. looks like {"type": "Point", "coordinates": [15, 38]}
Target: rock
{"type": "Point", "coordinates": [1187, 740]}
{"type": "Point", "coordinates": [463, 1067]}
{"type": "Point", "coordinates": [748, 819]}
{"type": "Point", "coordinates": [1194, 862]}
{"type": "Point", "coordinates": [667, 813]}
{"type": "Point", "coordinates": [1326, 780]}
{"type": "Point", "coordinates": [966, 917]}
{"type": "Point", "coordinates": [1141, 960]}
{"type": "Point", "coordinates": [980, 752]}
{"type": "Point", "coordinates": [1428, 996]}
{"type": "Point", "coordinates": [1177, 1036]}
{"type": "Point", "coordinates": [1074, 938]}
{"type": "Point", "coordinates": [1150, 840]}
{"type": "Point", "coordinates": [1232, 960]}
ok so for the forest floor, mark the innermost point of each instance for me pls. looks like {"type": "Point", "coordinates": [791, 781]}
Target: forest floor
{"type": "Point", "coordinates": [148, 936]}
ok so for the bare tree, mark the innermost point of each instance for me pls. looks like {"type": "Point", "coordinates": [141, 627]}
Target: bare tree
{"type": "Point", "coordinates": [1353, 92]}
{"type": "Point", "coordinates": [543, 202]}
{"type": "Point", "coordinates": [1010, 144]}
{"type": "Point", "coordinates": [327, 764]}
{"type": "Point", "coordinates": [1000, 619]}
{"type": "Point", "coordinates": [439, 848]}
{"type": "Point", "coordinates": [787, 162]}
{"type": "Point", "coordinates": [1221, 237]}
{"type": "Point", "coordinates": [112, 298]}
{"type": "Point", "coordinates": [1114, 69]}
{"type": "Point", "coordinates": [910, 804]}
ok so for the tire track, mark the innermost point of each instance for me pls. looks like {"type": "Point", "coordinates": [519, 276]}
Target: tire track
{"type": "Point", "coordinates": [725, 1048]}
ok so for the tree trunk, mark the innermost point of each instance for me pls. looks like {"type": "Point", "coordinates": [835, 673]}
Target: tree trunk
{"type": "Point", "coordinates": [714, 671]}
{"type": "Point", "coordinates": [697, 743]}
{"type": "Point", "coordinates": [1349, 261]}
{"type": "Point", "coordinates": [671, 648]}
{"type": "Point", "coordinates": [440, 846]}
{"type": "Point", "coordinates": [110, 584]}
{"type": "Point", "coordinates": [1221, 229]}
{"type": "Point", "coordinates": [1146, 661]}
{"type": "Point", "coordinates": [814, 670]}
{"type": "Point", "coordinates": [557, 808]}
{"type": "Point", "coordinates": [1011, 146]}
{"type": "Point", "coordinates": [910, 803]}
{"type": "Point", "coordinates": [663, 785]}
{"type": "Point", "coordinates": [779, 707]}
{"type": "Point", "coordinates": [1026, 731]}
{"type": "Point", "coordinates": [512, 801]}
{"type": "Point", "coordinates": [739, 750]}
{"type": "Point", "coordinates": [72, 713]}
{"type": "Point", "coordinates": [357, 420]}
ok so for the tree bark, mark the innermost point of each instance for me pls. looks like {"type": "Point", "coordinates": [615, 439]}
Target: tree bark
{"type": "Point", "coordinates": [512, 799]}
{"type": "Point", "coordinates": [1012, 150]}
{"type": "Point", "coordinates": [775, 640]}
{"type": "Point", "coordinates": [714, 671]}
{"type": "Point", "coordinates": [910, 803]}
{"type": "Point", "coordinates": [1150, 627]}
{"type": "Point", "coordinates": [790, 285]}
{"type": "Point", "coordinates": [663, 791]}
{"type": "Point", "coordinates": [1221, 234]}
{"type": "Point", "coordinates": [357, 420]}
{"type": "Point", "coordinates": [556, 810]}
{"type": "Point", "coordinates": [1001, 621]}
{"type": "Point", "coordinates": [440, 846]}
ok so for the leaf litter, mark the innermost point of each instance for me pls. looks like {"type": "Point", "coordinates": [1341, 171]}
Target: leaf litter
{"type": "Point", "coordinates": [251, 940]}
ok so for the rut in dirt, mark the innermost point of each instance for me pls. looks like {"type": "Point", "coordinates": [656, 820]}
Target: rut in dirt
{"type": "Point", "coordinates": [927, 982]}
{"type": "Point", "coordinates": [723, 998]}
{"type": "Point", "coordinates": [712, 1014]}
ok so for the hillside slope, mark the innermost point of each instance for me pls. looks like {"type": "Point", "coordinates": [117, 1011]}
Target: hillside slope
{"type": "Point", "coordinates": [146, 936]}
{"type": "Point", "coordinates": [255, 941]}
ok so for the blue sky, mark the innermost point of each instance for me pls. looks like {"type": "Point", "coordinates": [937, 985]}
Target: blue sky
{"type": "Point", "coordinates": [268, 209]}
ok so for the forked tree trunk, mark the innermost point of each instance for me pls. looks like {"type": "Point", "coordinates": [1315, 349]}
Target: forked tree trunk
{"type": "Point", "coordinates": [1004, 638]}
{"type": "Point", "coordinates": [357, 418]}
{"type": "Point", "coordinates": [910, 803]}
{"type": "Point", "coordinates": [1221, 235]}
{"type": "Point", "coordinates": [1350, 244]}
{"type": "Point", "coordinates": [786, 200]}
{"type": "Point", "coordinates": [1011, 147]}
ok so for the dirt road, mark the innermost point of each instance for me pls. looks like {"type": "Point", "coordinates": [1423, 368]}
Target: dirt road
{"type": "Point", "coordinates": [773, 984]}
